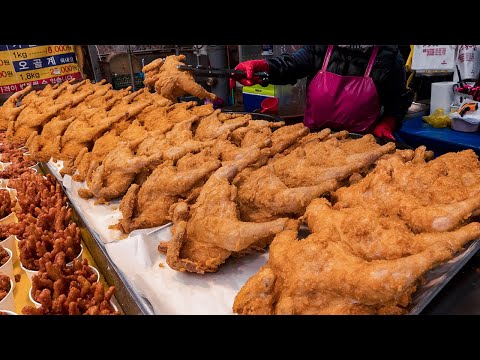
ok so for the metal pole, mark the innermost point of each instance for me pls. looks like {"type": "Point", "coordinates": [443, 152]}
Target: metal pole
{"type": "Point", "coordinates": [132, 77]}
{"type": "Point", "coordinates": [92, 52]}
{"type": "Point", "coordinates": [217, 54]}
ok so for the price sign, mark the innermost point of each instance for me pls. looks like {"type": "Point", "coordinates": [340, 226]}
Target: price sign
{"type": "Point", "coordinates": [23, 65]}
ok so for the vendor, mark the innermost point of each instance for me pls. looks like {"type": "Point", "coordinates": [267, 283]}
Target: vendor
{"type": "Point", "coordinates": [359, 88]}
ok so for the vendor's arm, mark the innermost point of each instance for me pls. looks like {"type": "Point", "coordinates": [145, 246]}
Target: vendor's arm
{"type": "Point", "coordinates": [282, 70]}
{"type": "Point", "coordinates": [288, 68]}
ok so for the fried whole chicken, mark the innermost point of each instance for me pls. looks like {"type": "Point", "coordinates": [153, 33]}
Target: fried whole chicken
{"type": "Point", "coordinates": [208, 234]}
{"type": "Point", "coordinates": [170, 82]}
{"type": "Point", "coordinates": [5, 203]}
{"type": "Point", "coordinates": [148, 205]}
{"type": "Point", "coordinates": [113, 177]}
{"type": "Point", "coordinates": [438, 195]}
{"type": "Point", "coordinates": [286, 185]}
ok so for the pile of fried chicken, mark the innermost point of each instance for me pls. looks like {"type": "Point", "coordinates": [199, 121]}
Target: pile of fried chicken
{"type": "Point", "coordinates": [231, 184]}
{"type": "Point", "coordinates": [370, 246]}
{"type": "Point", "coordinates": [69, 290]}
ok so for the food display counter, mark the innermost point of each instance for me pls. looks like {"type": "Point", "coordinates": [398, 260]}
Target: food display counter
{"type": "Point", "coordinates": [187, 209]}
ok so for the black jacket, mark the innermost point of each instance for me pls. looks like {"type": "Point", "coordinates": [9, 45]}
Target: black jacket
{"type": "Point", "coordinates": [388, 72]}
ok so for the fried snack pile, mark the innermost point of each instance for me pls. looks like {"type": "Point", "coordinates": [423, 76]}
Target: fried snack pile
{"type": "Point", "coordinates": [367, 253]}
{"type": "Point", "coordinates": [4, 256]}
{"type": "Point", "coordinates": [4, 286]}
{"type": "Point", "coordinates": [48, 236]}
{"type": "Point", "coordinates": [15, 170]}
{"type": "Point", "coordinates": [36, 193]}
{"type": "Point", "coordinates": [44, 228]}
{"type": "Point", "coordinates": [64, 290]}
{"type": "Point", "coordinates": [5, 203]}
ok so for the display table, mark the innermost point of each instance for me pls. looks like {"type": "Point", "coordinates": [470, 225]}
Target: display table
{"type": "Point", "coordinates": [416, 132]}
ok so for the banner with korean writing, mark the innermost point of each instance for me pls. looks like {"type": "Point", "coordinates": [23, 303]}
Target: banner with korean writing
{"type": "Point", "coordinates": [23, 65]}
{"type": "Point", "coordinates": [433, 57]}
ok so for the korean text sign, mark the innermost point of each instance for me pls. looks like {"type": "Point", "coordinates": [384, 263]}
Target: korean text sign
{"type": "Point", "coordinates": [23, 65]}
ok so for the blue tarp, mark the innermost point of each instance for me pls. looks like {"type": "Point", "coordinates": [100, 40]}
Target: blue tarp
{"type": "Point", "coordinates": [416, 132]}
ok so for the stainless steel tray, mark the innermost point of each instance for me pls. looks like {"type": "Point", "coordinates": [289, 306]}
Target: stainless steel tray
{"type": "Point", "coordinates": [438, 277]}
{"type": "Point", "coordinates": [129, 300]}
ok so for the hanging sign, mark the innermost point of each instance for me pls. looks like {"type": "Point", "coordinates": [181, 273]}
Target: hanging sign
{"type": "Point", "coordinates": [23, 65]}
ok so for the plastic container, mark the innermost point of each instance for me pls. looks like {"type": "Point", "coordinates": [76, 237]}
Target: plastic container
{"type": "Point", "coordinates": [8, 302]}
{"type": "Point", "coordinates": [30, 273]}
{"type": "Point", "coordinates": [7, 268]}
{"type": "Point", "coordinates": [269, 105]}
{"type": "Point", "coordinates": [464, 126]}
{"type": "Point", "coordinates": [11, 244]}
{"type": "Point", "coordinates": [37, 304]}
{"type": "Point", "coordinates": [7, 312]}
{"type": "Point", "coordinates": [79, 256]}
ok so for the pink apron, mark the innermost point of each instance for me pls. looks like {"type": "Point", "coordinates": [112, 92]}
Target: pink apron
{"type": "Point", "coordinates": [342, 102]}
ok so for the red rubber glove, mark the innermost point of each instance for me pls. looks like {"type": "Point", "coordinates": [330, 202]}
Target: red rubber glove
{"type": "Point", "coordinates": [249, 67]}
{"type": "Point", "coordinates": [385, 128]}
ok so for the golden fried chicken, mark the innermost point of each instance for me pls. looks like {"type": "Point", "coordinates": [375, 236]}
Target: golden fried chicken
{"type": "Point", "coordinates": [154, 118]}
{"type": "Point", "coordinates": [30, 120]}
{"type": "Point", "coordinates": [48, 143]}
{"type": "Point", "coordinates": [113, 177]}
{"type": "Point", "coordinates": [170, 82]}
{"type": "Point", "coordinates": [101, 148]}
{"type": "Point", "coordinates": [148, 205]}
{"type": "Point", "coordinates": [438, 195]}
{"type": "Point", "coordinates": [9, 110]}
{"type": "Point", "coordinates": [81, 133]}
{"type": "Point", "coordinates": [204, 237]}
{"type": "Point", "coordinates": [286, 185]}
{"type": "Point", "coordinates": [372, 235]}
{"type": "Point", "coordinates": [212, 127]}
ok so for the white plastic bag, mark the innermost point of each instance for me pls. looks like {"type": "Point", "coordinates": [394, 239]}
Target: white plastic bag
{"type": "Point", "coordinates": [468, 62]}
{"type": "Point", "coordinates": [433, 57]}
